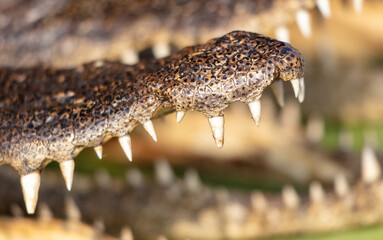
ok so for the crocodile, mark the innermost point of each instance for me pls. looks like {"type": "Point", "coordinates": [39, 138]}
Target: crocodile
{"type": "Point", "coordinates": [188, 208]}
{"type": "Point", "coordinates": [68, 33]}
{"type": "Point", "coordinates": [87, 105]}
{"type": "Point", "coordinates": [58, 54]}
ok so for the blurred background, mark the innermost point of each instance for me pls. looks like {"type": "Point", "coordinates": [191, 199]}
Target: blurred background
{"type": "Point", "coordinates": [265, 178]}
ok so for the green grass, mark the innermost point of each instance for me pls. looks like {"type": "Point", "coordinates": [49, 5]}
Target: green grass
{"type": "Point", "coordinates": [374, 232]}
{"type": "Point", "coordinates": [333, 129]}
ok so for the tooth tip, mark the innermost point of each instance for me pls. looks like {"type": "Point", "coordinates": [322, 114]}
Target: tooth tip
{"type": "Point", "coordinates": [282, 33]}
{"type": "Point", "coordinates": [255, 109]}
{"type": "Point", "coordinates": [217, 128]}
{"type": "Point", "coordinates": [290, 197]}
{"type": "Point", "coordinates": [148, 126]}
{"type": "Point", "coordinates": [126, 144]}
{"type": "Point", "coordinates": [371, 170]}
{"type": "Point", "coordinates": [324, 7]}
{"type": "Point", "coordinates": [98, 151]}
{"type": "Point", "coordinates": [180, 115]}
{"type": "Point", "coordinates": [316, 192]}
{"type": "Point", "coordinates": [358, 5]}
{"type": "Point", "coordinates": [303, 20]}
{"type": "Point", "coordinates": [341, 185]}
{"type": "Point", "coordinates": [67, 169]}
{"type": "Point", "coordinates": [30, 184]}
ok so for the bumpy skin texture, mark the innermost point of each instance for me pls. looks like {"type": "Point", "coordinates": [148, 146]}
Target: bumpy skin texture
{"type": "Point", "coordinates": [71, 32]}
{"type": "Point", "coordinates": [54, 113]}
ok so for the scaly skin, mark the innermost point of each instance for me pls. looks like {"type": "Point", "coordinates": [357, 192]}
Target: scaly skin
{"type": "Point", "coordinates": [51, 114]}
{"type": "Point", "coordinates": [183, 209]}
{"type": "Point", "coordinates": [68, 33]}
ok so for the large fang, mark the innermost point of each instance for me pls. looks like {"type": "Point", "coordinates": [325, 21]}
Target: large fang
{"type": "Point", "coordinates": [303, 20]}
{"type": "Point", "coordinates": [148, 125]}
{"type": "Point", "coordinates": [277, 88]}
{"type": "Point", "coordinates": [30, 184]}
{"type": "Point", "coordinates": [67, 169]}
{"type": "Point", "coordinates": [370, 166]}
{"type": "Point", "coordinates": [255, 109]}
{"type": "Point", "coordinates": [295, 84]}
{"type": "Point", "coordinates": [216, 125]}
{"type": "Point", "coordinates": [301, 94]}
{"type": "Point", "coordinates": [180, 116]}
{"type": "Point", "coordinates": [324, 8]}
{"type": "Point", "coordinates": [98, 151]}
{"type": "Point", "coordinates": [126, 145]}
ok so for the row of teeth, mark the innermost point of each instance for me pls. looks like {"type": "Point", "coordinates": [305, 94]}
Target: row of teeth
{"type": "Point", "coordinates": [370, 173]}
{"type": "Point", "coordinates": [31, 182]}
{"type": "Point", "coordinates": [302, 18]}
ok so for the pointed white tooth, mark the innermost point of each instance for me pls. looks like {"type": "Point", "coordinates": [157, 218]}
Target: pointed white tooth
{"type": "Point", "coordinates": [301, 94]}
{"type": "Point", "coordinates": [180, 116]}
{"type": "Point", "coordinates": [67, 168]}
{"type": "Point", "coordinates": [44, 213]}
{"type": "Point", "coordinates": [216, 125]}
{"type": "Point", "coordinates": [255, 109]}
{"type": "Point", "coordinates": [277, 89]}
{"type": "Point", "coordinates": [370, 166]}
{"type": "Point", "coordinates": [98, 63]}
{"type": "Point", "coordinates": [295, 83]}
{"type": "Point", "coordinates": [134, 177]}
{"type": "Point", "coordinates": [358, 5]}
{"type": "Point", "coordinates": [126, 145]}
{"type": "Point", "coordinates": [30, 184]}
{"type": "Point", "coordinates": [315, 129]}
{"type": "Point", "coordinates": [303, 20]}
{"type": "Point", "coordinates": [98, 151]}
{"type": "Point", "coordinates": [130, 57]}
{"type": "Point", "coordinates": [324, 7]}
{"type": "Point", "coordinates": [148, 125]}
{"type": "Point", "coordinates": [163, 172]}
{"type": "Point", "coordinates": [72, 211]}
{"type": "Point", "coordinates": [192, 181]}
{"type": "Point", "coordinates": [290, 197]}
{"type": "Point", "coordinates": [282, 33]}
{"type": "Point", "coordinates": [341, 185]}
{"type": "Point", "coordinates": [126, 234]}
{"type": "Point", "coordinates": [258, 201]}
{"type": "Point", "coordinates": [161, 50]}
{"type": "Point", "coordinates": [161, 237]}
{"type": "Point", "coordinates": [316, 192]}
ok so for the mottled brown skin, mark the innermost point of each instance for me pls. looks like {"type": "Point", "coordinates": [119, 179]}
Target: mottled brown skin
{"type": "Point", "coordinates": [51, 114]}
{"type": "Point", "coordinates": [71, 32]}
